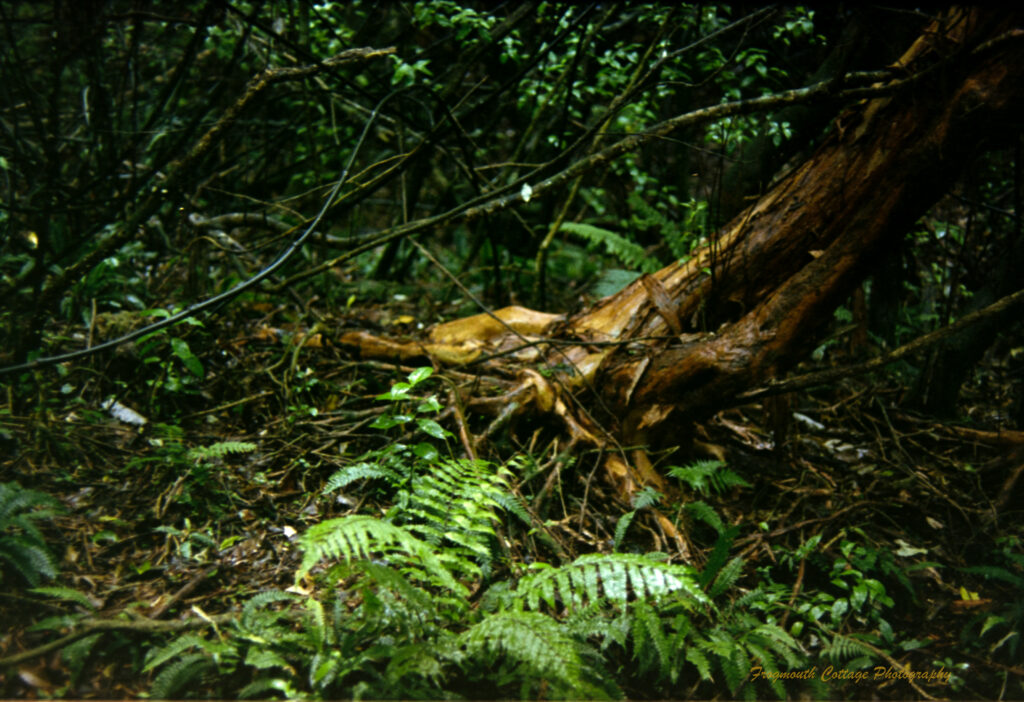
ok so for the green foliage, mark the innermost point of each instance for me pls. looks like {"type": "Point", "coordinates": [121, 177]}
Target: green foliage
{"type": "Point", "coordinates": [704, 476]}
{"type": "Point", "coordinates": [219, 450]}
{"type": "Point", "coordinates": [362, 537]}
{"type": "Point", "coordinates": [614, 578]}
{"type": "Point", "coordinates": [382, 606]}
{"type": "Point", "coordinates": [22, 546]}
{"type": "Point", "coordinates": [643, 498]}
{"type": "Point", "coordinates": [629, 253]}
{"type": "Point", "coordinates": [535, 646]}
{"type": "Point", "coordinates": [998, 633]}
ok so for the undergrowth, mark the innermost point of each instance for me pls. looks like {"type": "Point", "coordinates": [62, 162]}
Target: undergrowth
{"type": "Point", "coordinates": [426, 600]}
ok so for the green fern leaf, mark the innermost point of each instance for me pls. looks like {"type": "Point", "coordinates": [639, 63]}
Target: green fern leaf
{"type": "Point", "coordinates": [631, 254]}
{"type": "Point", "coordinates": [66, 593]}
{"type": "Point", "coordinates": [220, 449]}
{"type": "Point", "coordinates": [703, 512]}
{"type": "Point", "coordinates": [619, 575]}
{"type": "Point", "coordinates": [14, 499]}
{"type": "Point", "coordinates": [696, 656]}
{"type": "Point", "coordinates": [359, 471]}
{"type": "Point", "coordinates": [261, 658]}
{"type": "Point", "coordinates": [648, 629]}
{"type": "Point", "coordinates": [530, 639]}
{"type": "Point", "coordinates": [621, 527]}
{"type": "Point", "coordinates": [359, 536]}
{"type": "Point", "coordinates": [727, 576]}
{"type": "Point", "coordinates": [29, 558]}
{"type": "Point", "coordinates": [159, 656]}
{"type": "Point", "coordinates": [178, 675]}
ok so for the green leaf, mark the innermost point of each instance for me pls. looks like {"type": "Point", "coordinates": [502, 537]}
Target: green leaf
{"type": "Point", "coordinates": [431, 427]}
{"type": "Point", "coordinates": [386, 421]}
{"type": "Point", "coordinates": [67, 594]}
{"type": "Point", "coordinates": [182, 351]}
{"type": "Point", "coordinates": [420, 374]}
{"type": "Point", "coordinates": [426, 451]}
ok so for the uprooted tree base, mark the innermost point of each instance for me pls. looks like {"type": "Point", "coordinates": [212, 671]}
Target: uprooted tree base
{"type": "Point", "coordinates": [675, 347]}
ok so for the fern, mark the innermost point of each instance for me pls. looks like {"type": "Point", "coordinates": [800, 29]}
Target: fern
{"type": "Point", "coordinates": [457, 503]}
{"type": "Point", "coordinates": [361, 537]}
{"type": "Point", "coordinates": [256, 621]}
{"type": "Point", "coordinates": [529, 639]}
{"type": "Point", "coordinates": [650, 639]}
{"type": "Point", "coordinates": [727, 576]}
{"type": "Point", "coordinates": [612, 280]}
{"type": "Point", "coordinates": [67, 594]}
{"type": "Point", "coordinates": [359, 471]}
{"type": "Point", "coordinates": [178, 675]}
{"type": "Point", "coordinates": [705, 513]}
{"type": "Point", "coordinates": [631, 254]}
{"type": "Point", "coordinates": [220, 449]}
{"type": "Point", "coordinates": [21, 542]}
{"type": "Point", "coordinates": [842, 648]}
{"type": "Point", "coordinates": [702, 476]}
{"type": "Point", "coordinates": [614, 578]}
{"type": "Point", "coordinates": [621, 527]}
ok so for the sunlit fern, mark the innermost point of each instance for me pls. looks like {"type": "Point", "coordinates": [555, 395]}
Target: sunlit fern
{"type": "Point", "coordinates": [614, 577]}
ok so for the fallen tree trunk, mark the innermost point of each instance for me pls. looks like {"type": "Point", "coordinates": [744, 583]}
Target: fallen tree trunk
{"type": "Point", "coordinates": [781, 267]}
{"type": "Point", "coordinates": [677, 346]}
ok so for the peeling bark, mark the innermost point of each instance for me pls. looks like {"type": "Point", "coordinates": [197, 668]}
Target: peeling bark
{"type": "Point", "coordinates": [782, 266]}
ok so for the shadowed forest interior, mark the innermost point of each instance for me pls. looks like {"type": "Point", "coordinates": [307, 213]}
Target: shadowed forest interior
{"type": "Point", "coordinates": [422, 350]}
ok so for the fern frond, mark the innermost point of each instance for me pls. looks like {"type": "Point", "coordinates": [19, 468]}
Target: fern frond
{"type": "Point", "coordinates": [648, 634]}
{"type": "Point", "coordinates": [631, 254]}
{"type": "Point", "coordinates": [778, 640]}
{"type": "Point", "coordinates": [646, 497]}
{"type": "Point", "coordinates": [29, 557]}
{"type": "Point", "coordinates": [66, 593]}
{"type": "Point", "coordinates": [360, 536]}
{"type": "Point", "coordinates": [529, 639]}
{"type": "Point", "coordinates": [766, 661]}
{"type": "Point", "coordinates": [702, 511]}
{"type": "Point", "coordinates": [621, 527]}
{"type": "Point", "coordinates": [220, 449]}
{"type": "Point", "coordinates": [14, 499]}
{"type": "Point", "coordinates": [727, 576]}
{"type": "Point", "coordinates": [842, 648]}
{"type": "Point", "coordinates": [696, 656]}
{"type": "Point", "coordinates": [393, 581]}
{"type": "Point", "coordinates": [458, 502]}
{"type": "Point", "coordinates": [359, 471]}
{"type": "Point", "coordinates": [262, 657]}
{"type": "Point", "coordinates": [719, 554]}
{"type": "Point", "coordinates": [178, 675]}
{"type": "Point", "coordinates": [730, 658]}
{"type": "Point", "coordinates": [620, 576]}
{"type": "Point", "coordinates": [159, 656]}
{"type": "Point", "coordinates": [511, 504]}
{"type": "Point", "coordinates": [255, 621]}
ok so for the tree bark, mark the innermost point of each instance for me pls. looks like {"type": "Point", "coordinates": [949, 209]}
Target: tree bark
{"type": "Point", "coordinates": [750, 305]}
{"type": "Point", "coordinates": [677, 346]}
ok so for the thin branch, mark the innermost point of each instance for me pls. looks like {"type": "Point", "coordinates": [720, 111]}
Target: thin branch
{"type": "Point", "coordinates": [96, 626]}
{"type": "Point", "coordinates": [807, 380]}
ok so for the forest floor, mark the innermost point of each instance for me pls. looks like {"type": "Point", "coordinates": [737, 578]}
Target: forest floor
{"type": "Point", "coordinates": [156, 529]}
